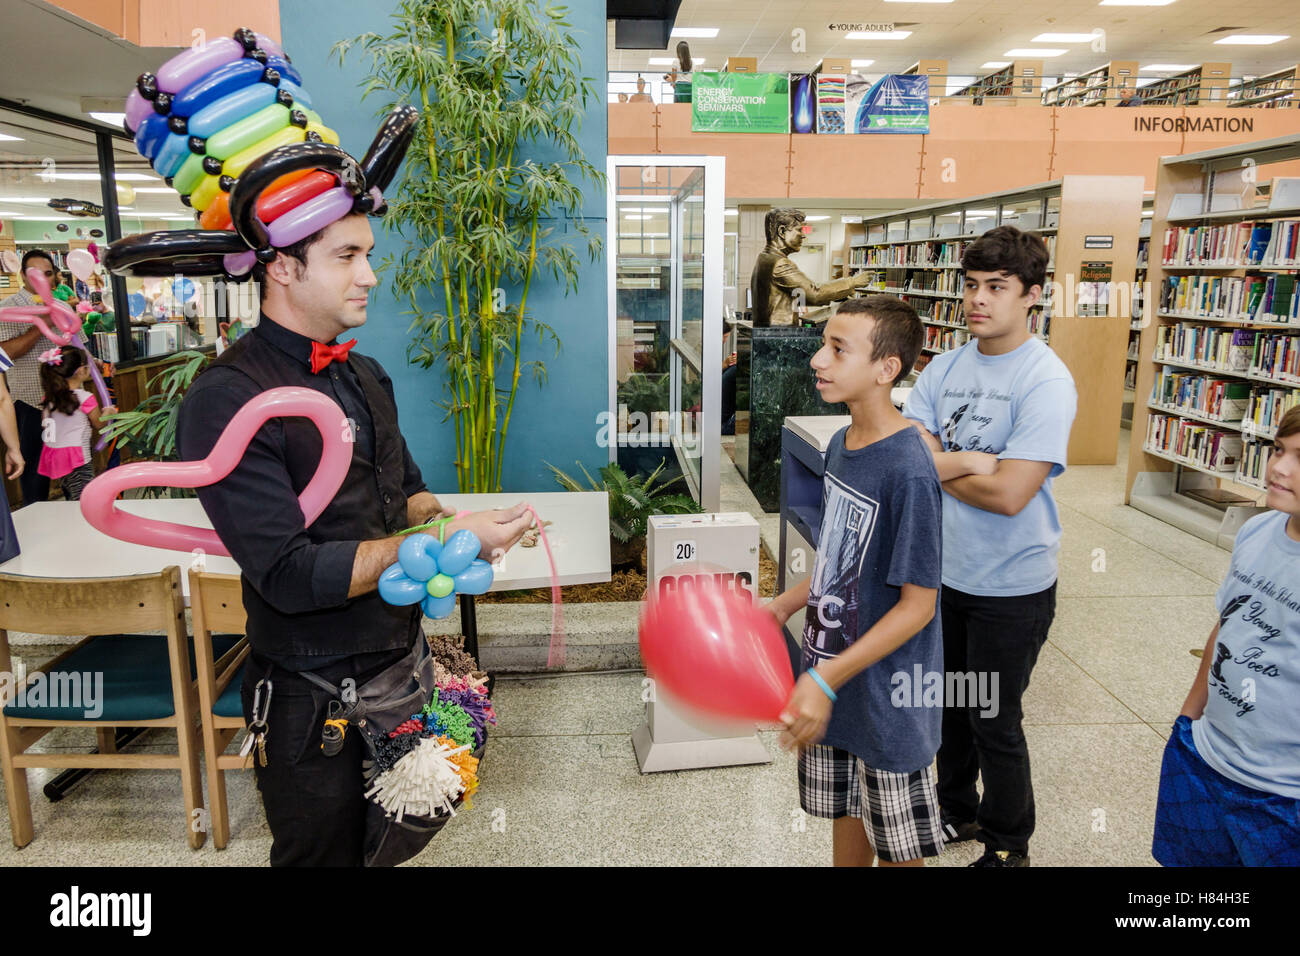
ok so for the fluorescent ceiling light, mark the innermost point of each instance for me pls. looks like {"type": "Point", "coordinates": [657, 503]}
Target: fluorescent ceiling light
{"type": "Point", "coordinates": [154, 189]}
{"type": "Point", "coordinates": [1135, 3]}
{"type": "Point", "coordinates": [112, 119]}
{"type": "Point", "coordinates": [634, 215]}
{"type": "Point", "coordinates": [39, 200]}
{"type": "Point", "coordinates": [669, 61]}
{"type": "Point", "coordinates": [815, 218]}
{"type": "Point", "coordinates": [1167, 67]}
{"type": "Point", "coordinates": [1147, 213]}
{"type": "Point", "coordinates": [851, 220]}
{"type": "Point", "coordinates": [1027, 52]}
{"type": "Point", "coordinates": [94, 177]}
{"type": "Point", "coordinates": [733, 212]}
{"type": "Point", "coordinates": [1064, 38]}
{"type": "Point", "coordinates": [1248, 39]}
{"type": "Point", "coordinates": [6, 138]}
{"type": "Point", "coordinates": [695, 33]}
{"type": "Point", "coordinates": [981, 212]}
{"type": "Point", "coordinates": [861, 62]}
{"type": "Point", "coordinates": [866, 35]}
{"type": "Point", "coordinates": [995, 64]}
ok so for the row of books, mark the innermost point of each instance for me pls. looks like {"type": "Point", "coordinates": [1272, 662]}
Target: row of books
{"type": "Point", "coordinates": [1229, 350]}
{"type": "Point", "coordinates": [941, 339]}
{"type": "Point", "coordinates": [1266, 407]}
{"type": "Point", "coordinates": [1040, 322]}
{"type": "Point", "coordinates": [943, 280]}
{"type": "Point", "coordinates": [1269, 243]}
{"type": "Point", "coordinates": [1250, 298]}
{"type": "Point", "coordinates": [911, 255]}
{"type": "Point", "coordinates": [945, 310]}
{"type": "Point", "coordinates": [1277, 355]}
{"type": "Point", "coordinates": [1205, 395]}
{"type": "Point", "coordinates": [1205, 446]}
{"type": "Point", "coordinates": [1254, 462]}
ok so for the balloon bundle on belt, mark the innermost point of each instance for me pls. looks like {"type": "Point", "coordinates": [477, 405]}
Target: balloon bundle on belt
{"type": "Point", "coordinates": [230, 126]}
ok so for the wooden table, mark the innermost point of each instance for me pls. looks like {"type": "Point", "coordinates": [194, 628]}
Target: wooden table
{"type": "Point", "coordinates": [57, 542]}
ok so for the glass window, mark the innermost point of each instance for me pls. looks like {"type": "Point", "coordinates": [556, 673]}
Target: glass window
{"type": "Point", "coordinates": [919, 228]}
{"type": "Point", "coordinates": [176, 313]}
{"type": "Point", "coordinates": [1023, 214]}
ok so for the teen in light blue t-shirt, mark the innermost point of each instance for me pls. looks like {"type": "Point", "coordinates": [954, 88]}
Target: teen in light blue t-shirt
{"type": "Point", "coordinates": [996, 414]}
{"type": "Point", "coordinates": [1018, 405]}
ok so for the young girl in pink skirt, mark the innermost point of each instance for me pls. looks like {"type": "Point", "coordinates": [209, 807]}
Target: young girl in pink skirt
{"type": "Point", "coordinates": [69, 413]}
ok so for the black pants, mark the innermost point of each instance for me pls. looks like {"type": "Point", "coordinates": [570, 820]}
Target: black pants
{"type": "Point", "coordinates": [35, 486]}
{"type": "Point", "coordinates": [314, 804]}
{"type": "Point", "coordinates": [1002, 636]}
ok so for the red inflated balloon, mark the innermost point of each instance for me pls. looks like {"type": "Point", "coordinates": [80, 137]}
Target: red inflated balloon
{"type": "Point", "coordinates": [716, 650]}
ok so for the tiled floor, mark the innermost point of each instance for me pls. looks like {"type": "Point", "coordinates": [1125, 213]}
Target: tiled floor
{"type": "Point", "coordinates": [561, 784]}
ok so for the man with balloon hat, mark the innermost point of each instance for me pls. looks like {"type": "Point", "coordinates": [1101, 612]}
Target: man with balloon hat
{"type": "Point", "coordinates": [294, 218]}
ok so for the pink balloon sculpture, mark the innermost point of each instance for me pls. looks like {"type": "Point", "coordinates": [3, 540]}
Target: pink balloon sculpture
{"type": "Point", "coordinates": [97, 500]}
{"type": "Point", "coordinates": [57, 311]}
{"type": "Point", "coordinates": [65, 318]}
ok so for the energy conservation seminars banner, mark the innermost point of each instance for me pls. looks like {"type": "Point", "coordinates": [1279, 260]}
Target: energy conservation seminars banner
{"type": "Point", "coordinates": [740, 103]}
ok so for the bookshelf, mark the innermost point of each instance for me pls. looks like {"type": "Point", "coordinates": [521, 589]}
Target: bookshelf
{"type": "Point", "coordinates": [1093, 88]}
{"type": "Point", "coordinates": [916, 254]}
{"type": "Point", "coordinates": [1140, 315]}
{"type": "Point", "coordinates": [1220, 357]}
{"type": "Point", "coordinates": [1270, 91]}
{"type": "Point", "coordinates": [1205, 85]}
{"type": "Point", "coordinates": [1017, 84]}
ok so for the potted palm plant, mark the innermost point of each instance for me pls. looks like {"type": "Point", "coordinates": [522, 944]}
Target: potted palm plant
{"type": "Point", "coordinates": [497, 84]}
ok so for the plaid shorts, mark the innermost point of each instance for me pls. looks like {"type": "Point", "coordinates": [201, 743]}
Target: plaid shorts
{"type": "Point", "coordinates": [1205, 819]}
{"type": "Point", "coordinates": [902, 809]}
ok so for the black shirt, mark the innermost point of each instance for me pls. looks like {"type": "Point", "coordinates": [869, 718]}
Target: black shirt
{"type": "Point", "coordinates": [255, 509]}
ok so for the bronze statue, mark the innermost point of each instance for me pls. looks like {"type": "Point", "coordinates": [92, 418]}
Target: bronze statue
{"type": "Point", "coordinates": [777, 282]}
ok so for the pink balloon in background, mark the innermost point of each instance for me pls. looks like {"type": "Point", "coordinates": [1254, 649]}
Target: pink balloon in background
{"type": "Point", "coordinates": [98, 497]}
{"type": "Point", "coordinates": [81, 264]}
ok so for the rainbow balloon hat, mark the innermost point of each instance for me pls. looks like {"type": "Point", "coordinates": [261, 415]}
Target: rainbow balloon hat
{"type": "Point", "coordinates": [230, 126]}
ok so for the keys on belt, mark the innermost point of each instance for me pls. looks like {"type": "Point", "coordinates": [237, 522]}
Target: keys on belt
{"type": "Point", "coordinates": [258, 728]}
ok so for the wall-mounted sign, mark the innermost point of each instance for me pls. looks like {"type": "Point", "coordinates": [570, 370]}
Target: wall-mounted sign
{"type": "Point", "coordinates": [740, 103]}
{"type": "Point", "coordinates": [1098, 242]}
{"type": "Point", "coordinates": [896, 103]}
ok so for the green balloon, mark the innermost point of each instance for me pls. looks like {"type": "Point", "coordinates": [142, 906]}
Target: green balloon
{"type": "Point", "coordinates": [63, 293]}
{"type": "Point", "coordinates": [249, 130]}
{"type": "Point", "coordinates": [189, 175]}
{"type": "Point", "coordinates": [440, 585]}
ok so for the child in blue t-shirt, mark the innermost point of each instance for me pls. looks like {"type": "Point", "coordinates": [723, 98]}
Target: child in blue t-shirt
{"type": "Point", "coordinates": [864, 712]}
{"type": "Point", "coordinates": [997, 414]}
{"type": "Point", "coordinates": [1230, 780]}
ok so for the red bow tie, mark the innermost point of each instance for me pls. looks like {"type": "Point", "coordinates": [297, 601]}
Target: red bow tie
{"type": "Point", "coordinates": [322, 354]}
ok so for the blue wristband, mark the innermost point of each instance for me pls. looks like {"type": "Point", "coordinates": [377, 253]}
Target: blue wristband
{"type": "Point", "coordinates": [822, 684]}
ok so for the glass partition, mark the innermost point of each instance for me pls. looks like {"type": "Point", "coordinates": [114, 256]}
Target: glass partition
{"type": "Point", "coordinates": [666, 280]}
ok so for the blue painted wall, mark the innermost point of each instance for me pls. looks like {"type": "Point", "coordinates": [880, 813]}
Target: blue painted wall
{"type": "Point", "coordinates": [556, 421]}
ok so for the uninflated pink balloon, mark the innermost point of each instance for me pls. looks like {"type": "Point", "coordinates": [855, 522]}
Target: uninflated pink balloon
{"type": "Point", "coordinates": [98, 497]}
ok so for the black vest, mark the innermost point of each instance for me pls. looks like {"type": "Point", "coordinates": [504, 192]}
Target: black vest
{"type": "Point", "coordinates": [369, 505]}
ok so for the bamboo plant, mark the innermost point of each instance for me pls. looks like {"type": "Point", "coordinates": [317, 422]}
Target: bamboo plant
{"type": "Point", "coordinates": [497, 84]}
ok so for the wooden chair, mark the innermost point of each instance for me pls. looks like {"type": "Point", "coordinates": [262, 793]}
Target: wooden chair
{"type": "Point", "coordinates": [147, 680]}
{"type": "Point", "coordinates": [218, 605]}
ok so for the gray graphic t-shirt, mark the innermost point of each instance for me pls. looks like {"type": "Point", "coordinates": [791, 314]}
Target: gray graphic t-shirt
{"type": "Point", "coordinates": [1250, 731]}
{"type": "Point", "coordinates": [880, 529]}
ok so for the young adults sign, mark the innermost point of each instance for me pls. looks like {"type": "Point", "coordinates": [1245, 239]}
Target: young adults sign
{"type": "Point", "coordinates": [740, 103]}
{"type": "Point", "coordinates": [896, 103]}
